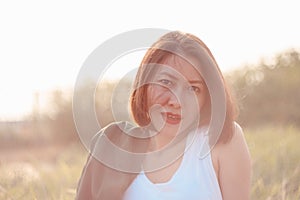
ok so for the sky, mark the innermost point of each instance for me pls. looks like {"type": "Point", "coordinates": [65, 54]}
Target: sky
{"type": "Point", "coordinates": [43, 44]}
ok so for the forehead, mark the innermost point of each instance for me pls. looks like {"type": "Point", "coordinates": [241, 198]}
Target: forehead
{"type": "Point", "coordinates": [181, 67]}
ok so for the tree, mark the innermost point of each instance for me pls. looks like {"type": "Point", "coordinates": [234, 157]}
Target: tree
{"type": "Point", "coordinates": [269, 92]}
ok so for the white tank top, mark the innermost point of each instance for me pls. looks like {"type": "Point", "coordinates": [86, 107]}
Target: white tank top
{"type": "Point", "coordinates": [194, 179]}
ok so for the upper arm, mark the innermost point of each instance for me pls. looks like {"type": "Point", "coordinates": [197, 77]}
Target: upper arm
{"type": "Point", "coordinates": [235, 167]}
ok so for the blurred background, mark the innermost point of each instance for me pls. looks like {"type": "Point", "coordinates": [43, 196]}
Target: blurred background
{"type": "Point", "coordinates": [43, 46]}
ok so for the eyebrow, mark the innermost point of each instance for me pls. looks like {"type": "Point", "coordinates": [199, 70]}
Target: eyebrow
{"type": "Point", "coordinates": [196, 81]}
{"type": "Point", "coordinates": [200, 81]}
{"type": "Point", "coordinates": [169, 75]}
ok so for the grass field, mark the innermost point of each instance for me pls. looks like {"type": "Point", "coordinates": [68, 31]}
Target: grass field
{"type": "Point", "coordinates": [276, 163]}
{"type": "Point", "coordinates": [35, 175]}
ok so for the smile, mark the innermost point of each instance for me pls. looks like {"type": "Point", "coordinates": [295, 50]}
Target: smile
{"type": "Point", "coordinates": [172, 118]}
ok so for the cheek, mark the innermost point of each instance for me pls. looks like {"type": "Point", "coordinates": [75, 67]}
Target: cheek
{"type": "Point", "coordinates": [157, 95]}
{"type": "Point", "coordinates": [202, 100]}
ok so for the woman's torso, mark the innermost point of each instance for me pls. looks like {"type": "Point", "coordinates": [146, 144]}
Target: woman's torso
{"type": "Point", "coordinates": [194, 176]}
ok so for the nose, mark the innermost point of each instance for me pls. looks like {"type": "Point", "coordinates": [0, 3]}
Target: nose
{"type": "Point", "coordinates": [173, 100]}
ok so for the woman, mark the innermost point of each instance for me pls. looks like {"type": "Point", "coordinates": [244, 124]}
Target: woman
{"type": "Point", "coordinates": [177, 151]}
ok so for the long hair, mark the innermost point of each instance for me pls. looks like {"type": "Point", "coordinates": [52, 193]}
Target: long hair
{"type": "Point", "coordinates": [187, 46]}
{"type": "Point", "coordinates": [98, 181]}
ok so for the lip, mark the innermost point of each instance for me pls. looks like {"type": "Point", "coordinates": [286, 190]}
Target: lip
{"type": "Point", "coordinates": [172, 118]}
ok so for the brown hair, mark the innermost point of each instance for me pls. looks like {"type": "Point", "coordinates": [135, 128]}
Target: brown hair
{"type": "Point", "coordinates": [187, 46]}
{"type": "Point", "coordinates": [97, 179]}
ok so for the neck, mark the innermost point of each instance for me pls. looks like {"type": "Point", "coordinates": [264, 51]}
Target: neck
{"type": "Point", "coordinates": [159, 141]}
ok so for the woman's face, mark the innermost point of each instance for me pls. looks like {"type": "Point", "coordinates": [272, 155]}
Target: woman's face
{"type": "Point", "coordinates": [176, 96]}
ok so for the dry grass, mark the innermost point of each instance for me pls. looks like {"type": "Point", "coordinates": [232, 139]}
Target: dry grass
{"type": "Point", "coordinates": [53, 172]}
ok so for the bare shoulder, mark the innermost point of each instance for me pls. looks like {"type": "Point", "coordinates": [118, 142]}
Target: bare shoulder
{"type": "Point", "coordinates": [233, 166]}
{"type": "Point", "coordinates": [238, 141]}
{"type": "Point", "coordinates": [236, 146]}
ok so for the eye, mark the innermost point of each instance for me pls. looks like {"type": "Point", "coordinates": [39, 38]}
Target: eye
{"type": "Point", "coordinates": [165, 82]}
{"type": "Point", "coordinates": [195, 89]}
